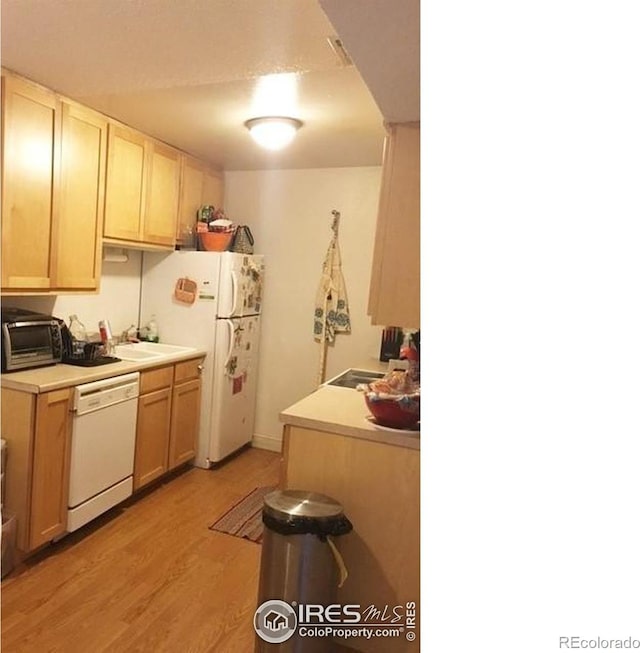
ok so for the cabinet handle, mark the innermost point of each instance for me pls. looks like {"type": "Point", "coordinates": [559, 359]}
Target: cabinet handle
{"type": "Point", "coordinates": [200, 368]}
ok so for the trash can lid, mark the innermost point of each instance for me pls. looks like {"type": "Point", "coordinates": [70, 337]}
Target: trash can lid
{"type": "Point", "coordinates": [285, 504]}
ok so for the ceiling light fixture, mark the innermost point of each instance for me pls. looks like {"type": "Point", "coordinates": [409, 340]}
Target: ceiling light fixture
{"type": "Point", "coordinates": [273, 132]}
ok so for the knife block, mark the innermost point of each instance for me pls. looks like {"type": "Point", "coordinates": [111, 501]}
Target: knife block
{"type": "Point", "coordinates": [390, 344]}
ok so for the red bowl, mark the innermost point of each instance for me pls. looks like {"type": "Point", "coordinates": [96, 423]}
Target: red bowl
{"type": "Point", "coordinates": [398, 413]}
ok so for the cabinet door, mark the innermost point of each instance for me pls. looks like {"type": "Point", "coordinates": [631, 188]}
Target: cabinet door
{"type": "Point", "coordinates": [50, 484]}
{"type": "Point", "coordinates": [187, 370]}
{"type": "Point", "coordinates": [78, 256]}
{"type": "Point", "coordinates": [185, 415]}
{"type": "Point", "coordinates": [156, 379]}
{"type": "Point", "coordinates": [31, 128]}
{"type": "Point", "coordinates": [394, 294]}
{"type": "Point", "coordinates": [190, 199]}
{"type": "Point", "coordinates": [126, 184]}
{"type": "Point", "coordinates": [152, 437]}
{"type": "Point", "coordinates": [161, 212]}
{"type": "Point", "coordinates": [213, 188]}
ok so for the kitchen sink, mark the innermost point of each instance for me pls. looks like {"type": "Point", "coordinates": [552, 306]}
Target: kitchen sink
{"type": "Point", "coordinates": [141, 351]}
{"type": "Point", "coordinates": [352, 377]}
{"type": "Point", "coordinates": [159, 348]}
{"type": "Point", "coordinates": [128, 353]}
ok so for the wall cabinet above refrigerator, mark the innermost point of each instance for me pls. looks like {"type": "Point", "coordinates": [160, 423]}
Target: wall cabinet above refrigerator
{"type": "Point", "coordinates": [199, 185]}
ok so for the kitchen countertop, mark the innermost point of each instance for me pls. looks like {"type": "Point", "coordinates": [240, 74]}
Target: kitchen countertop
{"type": "Point", "coordinates": [343, 411]}
{"type": "Point", "coordinates": [55, 377]}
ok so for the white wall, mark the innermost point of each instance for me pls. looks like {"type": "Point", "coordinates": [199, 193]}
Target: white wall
{"type": "Point", "coordinates": [117, 300]}
{"type": "Point", "coordinates": [289, 213]}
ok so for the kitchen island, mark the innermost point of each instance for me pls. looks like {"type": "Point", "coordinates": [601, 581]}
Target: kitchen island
{"type": "Point", "coordinates": [329, 446]}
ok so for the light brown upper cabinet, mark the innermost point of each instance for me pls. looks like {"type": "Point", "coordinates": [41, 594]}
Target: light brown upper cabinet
{"type": "Point", "coordinates": [161, 212]}
{"type": "Point", "coordinates": [73, 178]}
{"type": "Point", "coordinates": [213, 189]}
{"type": "Point", "coordinates": [394, 293]}
{"type": "Point", "coordinates": [199, 185]}
{"type": "Point", "coordinates": [191, 187]}
{"type": "Point", "coordinates": [78, 258]}
{"type": "Point", "coordinates": [31, 128]}
{"type": "Point", "coordinates": [52, 191]}
{"type": "Point", "coordinates": [126, 184]}
{"type": "Point", "coordinates": [143, 175]}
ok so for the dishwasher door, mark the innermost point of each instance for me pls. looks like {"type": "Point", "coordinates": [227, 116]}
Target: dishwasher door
{"type": "Point", "coordinates": [102, 447]}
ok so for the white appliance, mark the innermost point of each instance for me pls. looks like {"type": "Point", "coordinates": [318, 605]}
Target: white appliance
{"type": "Point", "coordinates": [224, 320]}
{"type": "Point", "coordinates": [103, 441]}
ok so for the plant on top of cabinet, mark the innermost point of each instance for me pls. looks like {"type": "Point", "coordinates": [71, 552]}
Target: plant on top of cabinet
{"type": "Point", "coordinates": [53, 159]}
{"type": "Point", "coordinates": [143, 175]}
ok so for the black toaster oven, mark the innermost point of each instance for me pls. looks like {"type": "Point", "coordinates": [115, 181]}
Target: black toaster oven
{"type": "Point", "coordinates": [29, 339]}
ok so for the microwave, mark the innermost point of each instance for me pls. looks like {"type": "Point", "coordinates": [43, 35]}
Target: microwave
{"type": "Point", "coordinates": [29, 339]}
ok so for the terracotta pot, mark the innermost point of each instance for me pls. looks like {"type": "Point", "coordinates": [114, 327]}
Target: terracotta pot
{"type": "Point", "coordinates": [214, 241]}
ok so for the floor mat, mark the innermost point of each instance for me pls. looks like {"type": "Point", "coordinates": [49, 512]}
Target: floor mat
{"type": "Point", "coordinates": [244, 519]}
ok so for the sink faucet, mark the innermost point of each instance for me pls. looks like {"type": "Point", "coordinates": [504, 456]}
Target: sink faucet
{"type": "Point", "coordinates": [129, 335]}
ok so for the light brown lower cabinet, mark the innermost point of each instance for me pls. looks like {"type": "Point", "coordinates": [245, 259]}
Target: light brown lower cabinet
{"type": "Point", "coordinates": [37, 428]}
{"type": "Point", "coordinates": [38, 433]}
{"type": "Point", "coordinates": [168, 419]}
{"type": "Point", "coordinates": [185, 411]}
{"type": "Point", "coordinates": [152, 436]}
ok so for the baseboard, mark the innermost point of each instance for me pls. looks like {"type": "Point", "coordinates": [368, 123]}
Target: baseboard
{"type": "Point", "coordinates": [267, 442]}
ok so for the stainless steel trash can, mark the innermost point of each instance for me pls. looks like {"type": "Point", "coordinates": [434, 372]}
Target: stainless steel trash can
{"type": "Point", "coordinates": [299, 565]}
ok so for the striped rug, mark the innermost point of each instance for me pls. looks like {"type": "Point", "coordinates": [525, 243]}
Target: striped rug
{"type": "Point", "coordinates": [244, 519]}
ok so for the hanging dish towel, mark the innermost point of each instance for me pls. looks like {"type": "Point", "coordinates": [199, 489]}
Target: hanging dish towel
{"type": "Point", "coordinates": [332, 307]}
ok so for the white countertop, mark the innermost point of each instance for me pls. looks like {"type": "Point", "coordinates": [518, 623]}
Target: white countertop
{"type": "Point", "coordinates": [343, 411]}
{"type": "Point", "coordinates": [55, 377]}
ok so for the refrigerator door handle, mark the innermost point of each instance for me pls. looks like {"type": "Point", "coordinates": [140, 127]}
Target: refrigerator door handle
{"type": "Point", "coordinates": [231, 334]}
{"type": "Point", "coordinates": [234, 292]}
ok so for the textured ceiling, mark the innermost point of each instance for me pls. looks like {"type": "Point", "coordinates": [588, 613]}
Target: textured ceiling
{"type": "Point", "coordinates": [190, 72]}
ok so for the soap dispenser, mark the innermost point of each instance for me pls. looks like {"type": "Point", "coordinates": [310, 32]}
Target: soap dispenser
{"type": "Point", "coordinates": [153, 334]}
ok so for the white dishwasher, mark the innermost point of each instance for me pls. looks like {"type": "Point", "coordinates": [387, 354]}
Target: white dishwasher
{"type": "Point", "coordinates": [103, 441]}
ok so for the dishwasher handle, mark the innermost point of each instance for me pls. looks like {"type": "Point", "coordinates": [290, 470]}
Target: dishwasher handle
{"type": "Point", "coordinates": [106, 392]}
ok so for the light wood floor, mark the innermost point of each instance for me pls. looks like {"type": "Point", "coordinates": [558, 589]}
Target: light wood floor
{"type": "Point", "coordinates": [148, 577]}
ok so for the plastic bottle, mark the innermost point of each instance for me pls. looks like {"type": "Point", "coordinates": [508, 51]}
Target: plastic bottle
{"type": "Point", "coordinates": [78, 336]}
{"type": "Point", "coordinates": [152, 330]}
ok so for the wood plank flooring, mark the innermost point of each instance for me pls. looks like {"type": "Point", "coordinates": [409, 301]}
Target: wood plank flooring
{"type": "Point", "coordinates": [148, 577]}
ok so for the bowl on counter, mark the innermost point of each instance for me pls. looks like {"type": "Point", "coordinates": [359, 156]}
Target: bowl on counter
{"type": "Point", "coordinates": [394, 411]}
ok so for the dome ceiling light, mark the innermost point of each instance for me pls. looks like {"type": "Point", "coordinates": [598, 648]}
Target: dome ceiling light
{"type": "Point", "coordinates": [273, 132]}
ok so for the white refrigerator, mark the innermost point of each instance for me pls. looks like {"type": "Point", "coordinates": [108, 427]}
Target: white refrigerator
{"type": "Point", "coordinates": [220, 314]}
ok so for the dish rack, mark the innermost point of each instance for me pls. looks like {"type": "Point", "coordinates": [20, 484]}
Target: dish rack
{"type": "Point", "coordinates": [95, 353]}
